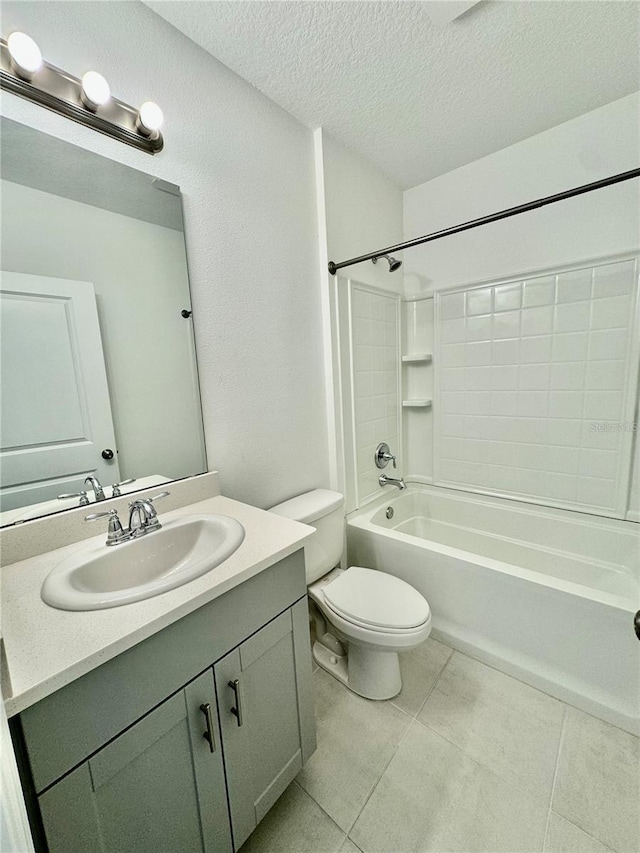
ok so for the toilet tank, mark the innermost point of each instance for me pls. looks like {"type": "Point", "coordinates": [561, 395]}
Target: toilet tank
{"type": "Point", "coordinates": [324, 510]}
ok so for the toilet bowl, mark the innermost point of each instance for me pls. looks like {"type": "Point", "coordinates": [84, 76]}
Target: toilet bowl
{"type": "Point", "coordinates": [363, 617]}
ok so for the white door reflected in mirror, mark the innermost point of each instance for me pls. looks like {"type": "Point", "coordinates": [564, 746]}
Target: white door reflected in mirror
{"type": "Point", "coordinates": [56, 409]}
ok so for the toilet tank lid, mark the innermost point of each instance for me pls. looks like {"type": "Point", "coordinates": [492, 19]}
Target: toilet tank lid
{"type": "Point", "coordinates": [310, 506]}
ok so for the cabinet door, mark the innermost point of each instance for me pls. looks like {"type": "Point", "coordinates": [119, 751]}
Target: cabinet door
{"type": "Point", "coordinates": [156, 787]}
{"type": "Point", "coordinates": [268, 731]}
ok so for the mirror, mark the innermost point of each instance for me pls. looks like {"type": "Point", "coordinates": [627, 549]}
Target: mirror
{"type": "Point", "coordinates": [98, 366]}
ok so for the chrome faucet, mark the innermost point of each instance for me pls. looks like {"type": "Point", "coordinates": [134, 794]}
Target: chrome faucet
{"type": "Point", "coordinates": [143, 519]}
{"type": "Point", "coordinates": [383, 480]}
{"type": "Point", "coordinates": [96, 486]}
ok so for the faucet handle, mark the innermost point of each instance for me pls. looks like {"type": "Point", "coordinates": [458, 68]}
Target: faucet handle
{"type": "Point", "coordinates": [84, 500]}
{"type": "Point", "coordinates": [154, 523]}
{"type": "Point", "coordinates": [383, 456]}
{"type": "Point", "coordinates": [115, 533]}
{"type": "Point", "coordinates": [94, 516]}
{"type": "Point", "coordinates": [116, 493]}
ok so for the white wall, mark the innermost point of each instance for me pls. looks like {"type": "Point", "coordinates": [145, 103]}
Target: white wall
{"type": "Point", "coordinates": [360, 210]}
{"type": "Point", "coordinates": [593, 146]}
{"type": "Point", "coordinates": [363, 211]}
{"type": "Point", "coordinates": [139, 274]}
{"type": "Point", "coordinates": [603, 223]}
{"type": "Point", "coordinates": [246, 169]}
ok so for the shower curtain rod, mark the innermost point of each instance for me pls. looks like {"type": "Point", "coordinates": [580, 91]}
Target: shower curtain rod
{"type": "Point", "coordinates": [485, 220]}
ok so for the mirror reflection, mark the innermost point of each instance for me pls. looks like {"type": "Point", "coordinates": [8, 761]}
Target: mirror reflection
{"type": "Point", "coordinates": [99, 383]}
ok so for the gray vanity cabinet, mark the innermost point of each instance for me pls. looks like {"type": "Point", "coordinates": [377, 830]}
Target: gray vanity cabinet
{"type": "Point", "coordinates": [117, 761]}
{"type": "Point", "coordinates": [158, 786]}
{"type": "Point", "coordinates": [264, 726]}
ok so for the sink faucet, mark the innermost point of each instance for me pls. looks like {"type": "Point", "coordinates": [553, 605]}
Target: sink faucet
{"type": "Point", "coordinates": [143, 519]}
{"type": "Point", "coordinates": [383, 480]}
{"type": "Point", "coordinates": [96, 486]}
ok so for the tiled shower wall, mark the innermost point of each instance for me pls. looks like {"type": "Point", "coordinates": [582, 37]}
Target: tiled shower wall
{"type": "Point", "coordinates": [374, 360]}
{"type": "Point", "coordinates": [536, 383]}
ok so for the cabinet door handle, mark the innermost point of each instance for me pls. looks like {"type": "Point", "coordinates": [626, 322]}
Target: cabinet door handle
{"type": "Point", "coordinates": [208, 735]}
{"type": "Point", "coordinates": [235, 686]}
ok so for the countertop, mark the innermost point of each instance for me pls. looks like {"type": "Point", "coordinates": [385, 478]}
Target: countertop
{"type": "Point", "coordinates": [46, 648]}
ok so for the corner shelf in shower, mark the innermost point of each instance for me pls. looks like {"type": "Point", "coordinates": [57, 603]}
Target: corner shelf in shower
{"type": "Point", "coordinates": [417, 358]}
{"type": "Point", "coordinates": [417, 404]}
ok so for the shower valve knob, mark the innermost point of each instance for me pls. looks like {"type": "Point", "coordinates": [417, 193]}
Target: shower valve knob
{"type": "Point", "coordinates": [383, 456]}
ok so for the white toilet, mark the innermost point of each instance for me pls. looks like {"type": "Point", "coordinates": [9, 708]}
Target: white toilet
{"type": "Point", "coordinates": [363, 617]}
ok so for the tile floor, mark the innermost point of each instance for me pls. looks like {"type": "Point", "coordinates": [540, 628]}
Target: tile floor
{"type": "Point", "coordinates": [464, 759]}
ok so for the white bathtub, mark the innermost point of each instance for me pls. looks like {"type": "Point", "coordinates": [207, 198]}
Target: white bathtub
{"type": "Point", "coordinates": [543, 594]}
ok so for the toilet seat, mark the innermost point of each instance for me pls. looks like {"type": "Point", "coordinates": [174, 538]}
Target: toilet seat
{"type": "Point", "coordinates": [376, 601]}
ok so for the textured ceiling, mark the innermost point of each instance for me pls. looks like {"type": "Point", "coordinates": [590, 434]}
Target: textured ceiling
{"type": "Point", "coordinates": [415, 98]}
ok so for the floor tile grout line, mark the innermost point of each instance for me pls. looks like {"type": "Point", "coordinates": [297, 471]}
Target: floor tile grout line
{"type": "Point", "coordinates": [384, 770]}
{"type": "Point", "coordinates": [375, 785]}
{"type": "Point", "coordinates": [525, 791]}
{"type": "Point", "coordinates": [322, 809]}
{"type": "Point", "coordinates": [437, 679]}
{"type": "Point", "coordinates": [553, 790]}
{"type": "Point", "coordinates": [555, 777]}
{"type": "Point", "coordinates": [586, 832]}
{"type": "Point", "coordinates": [430, 690]}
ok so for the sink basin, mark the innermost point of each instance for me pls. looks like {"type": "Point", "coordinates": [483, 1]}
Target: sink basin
{"type": "Point", "coordinates": [97, 577]}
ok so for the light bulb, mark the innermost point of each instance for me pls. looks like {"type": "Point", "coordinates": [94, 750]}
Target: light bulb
{"type": "Point", "coordinates": [25, 55]}
{"type": "Point", "coordinates": [150, 118]}
{"type": "Point", "coordinates": [95, 90]}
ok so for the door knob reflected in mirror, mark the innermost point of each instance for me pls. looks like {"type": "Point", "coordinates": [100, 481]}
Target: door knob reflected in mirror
{"type": "Point", "coordinates": [107, 453]}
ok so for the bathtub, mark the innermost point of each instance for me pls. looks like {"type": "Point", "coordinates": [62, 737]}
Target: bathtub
{"type": "Point", "coordinates": [545, 595]}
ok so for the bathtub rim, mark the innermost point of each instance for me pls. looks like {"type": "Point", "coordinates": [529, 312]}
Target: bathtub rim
{"type": "Point", "coordinates": [363, 519]}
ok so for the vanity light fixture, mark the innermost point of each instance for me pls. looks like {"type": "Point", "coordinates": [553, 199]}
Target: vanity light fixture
{"type": "Point", "coordinates": [25, 55]}
{"type": "Point", "coordinates": [88, 101]}
{"type": "Point", "coordinates": [95, 91]}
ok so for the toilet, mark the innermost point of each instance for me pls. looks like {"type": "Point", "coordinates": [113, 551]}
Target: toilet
{"type": "Point", "coordinates": [363, 617]}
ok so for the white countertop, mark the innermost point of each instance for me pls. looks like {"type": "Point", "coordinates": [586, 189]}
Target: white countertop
{"type": "Point", "coordinates": [47, 648]}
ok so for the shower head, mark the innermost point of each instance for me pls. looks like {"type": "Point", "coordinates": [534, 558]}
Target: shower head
{"type": "Point", "coordinates": [394, 263]}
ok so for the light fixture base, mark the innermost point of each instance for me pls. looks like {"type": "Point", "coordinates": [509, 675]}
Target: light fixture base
{"type": "Point", "coordinates": [62, 93]}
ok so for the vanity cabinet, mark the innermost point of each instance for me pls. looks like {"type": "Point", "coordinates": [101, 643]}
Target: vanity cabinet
{"type": "Point", "coordinates": [186, 740]}
{"type": "Point", "coordinates": [262, 735]}
{"type": "Point", "coordinates": [156, 787]}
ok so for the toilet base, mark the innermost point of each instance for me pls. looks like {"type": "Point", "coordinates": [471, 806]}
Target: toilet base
{"type": "Point", "coordinates": [365, 671]}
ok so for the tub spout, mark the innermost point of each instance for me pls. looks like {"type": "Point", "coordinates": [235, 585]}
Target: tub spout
{"type": "Point", "coordinates": [383, 480]}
